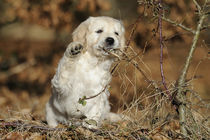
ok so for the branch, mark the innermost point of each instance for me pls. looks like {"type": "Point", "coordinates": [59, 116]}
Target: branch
{"type": "Point", "coordinates": [193, 46]}
{"type": "Point", "coordinates": [181, 91]}
{"type": "Point", "coordinates": [179, 25]}
{"type": "Point", "coordinates": [198, 6]}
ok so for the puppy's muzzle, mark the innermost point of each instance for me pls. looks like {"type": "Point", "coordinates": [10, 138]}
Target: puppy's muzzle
{"type": "Point", "coordinates": [109, 44]}
{"type": "Point", "coordinates": [109, 41]}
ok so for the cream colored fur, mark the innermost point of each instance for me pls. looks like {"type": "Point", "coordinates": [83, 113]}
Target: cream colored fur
{"type": "Point", "coordinates": [84, 70]}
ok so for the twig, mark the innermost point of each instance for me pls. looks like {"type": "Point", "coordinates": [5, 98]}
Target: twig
{"type": "Point", "coordinates": [205, 27]}
{"type": "Point", "coordinates": [159, 126]}
{"type": "Point", "coordinates": [197, 5]}
{"type": "Point", "coordinates": [133, 30]}
{"type": "Point", "coordinates": [178, 24]}
{"type": "Point", "coordinates": [161, 48]}
{"type": "Point", "coordinates": [173, 36]}
{"type": "Point", "coordinates": [87, 98]}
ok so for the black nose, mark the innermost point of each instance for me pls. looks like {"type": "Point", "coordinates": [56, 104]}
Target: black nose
{"type": "Point", "coordinates": [110, 40]}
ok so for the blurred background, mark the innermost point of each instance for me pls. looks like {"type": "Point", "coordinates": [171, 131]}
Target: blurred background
{"type": "Point", "coordinates": [35, 33]}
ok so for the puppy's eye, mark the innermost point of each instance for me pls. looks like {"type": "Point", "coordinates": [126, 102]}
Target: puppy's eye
{"type": "Point", "coordinates": [99, 31]}
{"type": "Point", "coordinates": [116, 33]}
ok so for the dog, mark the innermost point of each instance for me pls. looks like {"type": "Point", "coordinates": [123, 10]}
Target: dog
{"type": "Point", "coordinates": [84, 71]}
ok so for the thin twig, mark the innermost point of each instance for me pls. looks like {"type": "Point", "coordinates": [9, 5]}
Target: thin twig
{"type": "Point", "coordinates": [161, 48]}
{"type": "Point", "coordinates": [87, 98]}
{"type": "Point", "coordinates": [197, 5]}
{"type": "Point", "coordinates": [173, 36]}
{"type": "Point", "coordinates": [133, 30]}
{"type": "Point", "coordinates": [205, 27]}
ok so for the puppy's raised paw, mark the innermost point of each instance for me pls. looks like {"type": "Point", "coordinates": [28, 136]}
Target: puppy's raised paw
{"type": "Point", "coordinates": [73, 49]}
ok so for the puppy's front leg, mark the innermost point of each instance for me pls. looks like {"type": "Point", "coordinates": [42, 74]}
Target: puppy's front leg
{"type": "Point", "coordinates": [73, 50]}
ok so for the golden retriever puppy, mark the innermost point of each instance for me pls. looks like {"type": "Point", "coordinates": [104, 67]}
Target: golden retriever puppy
{"type": "Point", "coordinates": [84, 71]}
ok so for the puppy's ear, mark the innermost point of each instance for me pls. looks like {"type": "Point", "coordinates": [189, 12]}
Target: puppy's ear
{"type": "Point", "coordinates": [79, 34]}
{"type": "Point", "coordinates": [122, 41]}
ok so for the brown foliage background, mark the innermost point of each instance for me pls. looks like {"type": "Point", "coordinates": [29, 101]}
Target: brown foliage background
{"type": "Point", "coordinates": [35, 33]}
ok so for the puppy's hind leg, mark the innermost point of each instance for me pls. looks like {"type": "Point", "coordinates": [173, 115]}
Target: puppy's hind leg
{"type": "Point", "coordinates": [50, 116]}
{"type": "Point", "coordinates": [113, 117]}
{"type": "Point", "coordinates": [73, 49]}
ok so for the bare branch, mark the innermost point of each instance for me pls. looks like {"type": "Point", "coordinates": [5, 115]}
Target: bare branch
{"type": "Point", "coordinates": [193, 46]}
{"type": "Point", "coordinates": [179, 25]}
{"type": "Point", "coordinates": [198, 6]}
{"type": "Point", "coordinates": [181, 97]}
